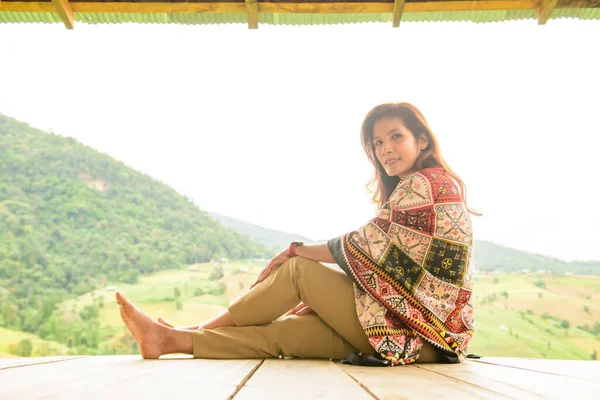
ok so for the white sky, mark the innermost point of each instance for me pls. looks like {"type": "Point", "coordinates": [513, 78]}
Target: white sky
{"type": "Point", "coordinates": [264, 125]}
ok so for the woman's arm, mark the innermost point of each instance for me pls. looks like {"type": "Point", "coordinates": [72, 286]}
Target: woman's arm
{"type": "Point", "coordinates": [316, 252]}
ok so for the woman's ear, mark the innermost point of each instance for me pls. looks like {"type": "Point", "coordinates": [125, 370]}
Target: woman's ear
{"type": "Point", "coordinates": [423, 141]}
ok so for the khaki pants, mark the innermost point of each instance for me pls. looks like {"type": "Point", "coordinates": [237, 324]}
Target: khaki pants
{"type": "Point", "coordinates": [262, 332]}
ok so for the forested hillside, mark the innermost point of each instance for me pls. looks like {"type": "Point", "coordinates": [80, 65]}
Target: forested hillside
{"type": "Point", "coordinates": [493, 257]}
{"type": "Point", "coordinates": [72, 219]}
{"type": "Point", "coordinates": [277, 240]}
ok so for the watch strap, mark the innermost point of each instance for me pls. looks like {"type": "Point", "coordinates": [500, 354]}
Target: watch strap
{"type": "Point", "coordinates": [291, 252]}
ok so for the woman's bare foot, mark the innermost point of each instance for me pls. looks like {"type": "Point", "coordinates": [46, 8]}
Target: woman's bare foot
{"type": "Point", "coordinates": [149, 335]}
{"type": "Point", "coordinates": [162, 321]}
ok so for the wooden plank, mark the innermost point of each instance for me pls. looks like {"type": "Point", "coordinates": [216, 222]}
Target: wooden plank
{"type": "Point", "coordinates": [103, 377]}
{"type": "Point", "coordinates": [580, 369]}
{"type": "Point", "coordinates": [301, 379]}
{"type": "Point", "coordinates": [252, 11]}
{"type": "Point", "coordinates": [397, 13]}
{"type": "Point", "coordinates": [63, 9]}
{"type": "Point", "coordinates": [16, 362]}
{"type": "Point", "coordinates": [415, 383]}
{"type": "Point", "coordinates": [125, 7]}
{"type": "Point", "coordinates": [544, 10]}
{"type": "Point", "coordinates": [516, 383]}
{"type": "Point", "coordinates": [320, 8]}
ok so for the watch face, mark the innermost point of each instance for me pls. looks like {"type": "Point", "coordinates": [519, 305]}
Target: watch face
{"type": "Point", "coordinates": [298, 243]}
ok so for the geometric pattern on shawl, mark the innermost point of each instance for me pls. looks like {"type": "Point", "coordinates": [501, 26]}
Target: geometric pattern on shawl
{"type": "Point", "coordinates": [412, 270]}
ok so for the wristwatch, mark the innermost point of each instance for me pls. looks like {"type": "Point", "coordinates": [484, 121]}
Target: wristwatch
{"type": "Point", "coordinates": [292, 249]}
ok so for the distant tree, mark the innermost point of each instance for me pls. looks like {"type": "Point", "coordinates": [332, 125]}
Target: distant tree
{"type": "Point", "coordinates": [565, 324]}
{"type": "Point", "coordinates": [23, 349]}
{"type": "Point", "coordinates": [495, 280]}
{"type": "Point", "coordinates": [89, 311]}
{"type": "Point", "coordinates": [32, 319]}
{"type": "Point", "coordinates": [540, 283]}
{"type": "Point", "coordinates": [594, 355]}
{"type": "Point", "coordinates": [221, 288]}
{"type": "Point", "coordinates": [586, 309]}
{"type": "Point", "coordinates": [131, 276]}
{"type": "Point", "coordinates": [217, 273]}
{"type": "Point", "coordinates": [505, 294]}
{"type": "Point", "coordinates": [177, 297]}
{"type": "Point", "coordinates": [540, 295]}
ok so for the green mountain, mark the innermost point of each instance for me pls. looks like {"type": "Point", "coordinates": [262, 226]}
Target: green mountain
{"type": "Point", "coordinates": [490, 256]}
{"type": "Point", "coordinates": [274, 239]}
{"type": "Point", "coordinates": [72, 219]}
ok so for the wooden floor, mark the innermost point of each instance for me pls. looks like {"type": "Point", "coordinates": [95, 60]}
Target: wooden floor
{"type": "Point", "coordinates": [130, 377]}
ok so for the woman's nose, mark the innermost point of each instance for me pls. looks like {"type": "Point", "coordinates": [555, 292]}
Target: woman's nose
{"type": "Point", "coordinates": [385, 148]}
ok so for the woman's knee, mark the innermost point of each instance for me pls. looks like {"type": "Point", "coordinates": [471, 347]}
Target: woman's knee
{"type": "Point", "coordinates": [299, 264]}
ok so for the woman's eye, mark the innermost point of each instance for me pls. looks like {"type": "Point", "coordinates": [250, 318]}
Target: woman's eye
{"type": "Point", "coordinates": [396, 136]}
{"type": "Point", "coordinates": [378, 143]}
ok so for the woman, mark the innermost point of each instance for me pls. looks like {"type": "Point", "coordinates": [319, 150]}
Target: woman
{"type": "Point", "coordinates": [406, 290]}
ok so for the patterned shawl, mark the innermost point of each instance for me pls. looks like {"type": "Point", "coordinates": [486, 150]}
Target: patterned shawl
{"type": "Point", "coordinates": [412, 270]}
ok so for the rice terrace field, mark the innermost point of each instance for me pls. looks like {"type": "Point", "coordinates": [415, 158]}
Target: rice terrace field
{"type": "Point", "coordinates": [518, 315]}
{"type": "Point", "coordinates": [537, 315]}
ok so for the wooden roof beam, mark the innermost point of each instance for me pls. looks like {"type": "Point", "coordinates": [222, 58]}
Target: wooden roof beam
{"type": "Point", "coordinates": [544, 10]}
{"type": "Point", "coordinates": [160, 6]}
{"type": "Point", "coordinates": [252, 11]}
{"type": "Point", "coordinates": [397, 12]}
{"type": "Point", "coordinates": [63, 8]}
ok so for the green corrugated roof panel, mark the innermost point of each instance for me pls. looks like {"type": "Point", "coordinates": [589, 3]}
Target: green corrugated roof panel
{"type": "Point", "coordinates": [162, 18]}
{"type": "Point", "coordinates": [29, 17]}
{"type": "Point", "coordinates": [582, 13]}
{"type": "Point", "coordinates": [294, 19]}
{"type": "Point", "coordinates": [330, 19]}
{"type": "Point", "coordinates": [475, 16]}
{"type": "Point", "coordinates": [321, 19]}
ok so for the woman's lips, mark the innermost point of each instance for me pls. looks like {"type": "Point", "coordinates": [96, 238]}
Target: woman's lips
{"type": "Point", "coordinates": [392, 162]}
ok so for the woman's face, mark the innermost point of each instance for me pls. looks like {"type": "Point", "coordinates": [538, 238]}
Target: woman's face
{"type": "Point", "coordinates": [396, 147]}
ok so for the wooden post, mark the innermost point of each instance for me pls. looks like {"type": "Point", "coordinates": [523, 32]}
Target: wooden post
{"type": "Point", "coordinates": [63, 8]}
{"type": "Point", "coordinates": [544, 10]}
{"type": "Point", "coordinates": [252, 10]}
{"type": "Point", "coordinates": [397, 12]}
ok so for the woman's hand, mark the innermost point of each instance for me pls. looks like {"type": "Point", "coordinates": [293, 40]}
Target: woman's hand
{"type": "Point", "coordinates": [300, 309]}
{"type": "Point", "coordinates": [271, 266]}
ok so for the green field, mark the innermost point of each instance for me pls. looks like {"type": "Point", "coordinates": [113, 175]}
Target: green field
{"type": "Point", "coordinates": [517, 315]}
{"type": "Point", "coordinates": [201, 298]}
{"type": "Point", "coordinates": [527, 320]}
{"type": "Point", "coordinates": [39, 346]}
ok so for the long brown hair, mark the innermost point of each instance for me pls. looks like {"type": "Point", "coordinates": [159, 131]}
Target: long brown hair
{"type": "Point", "coordinates": [381, 183]}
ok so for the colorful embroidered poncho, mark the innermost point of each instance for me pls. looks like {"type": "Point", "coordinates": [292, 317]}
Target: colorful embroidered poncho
{"type": "Point", "coordinates": [412, 270]}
